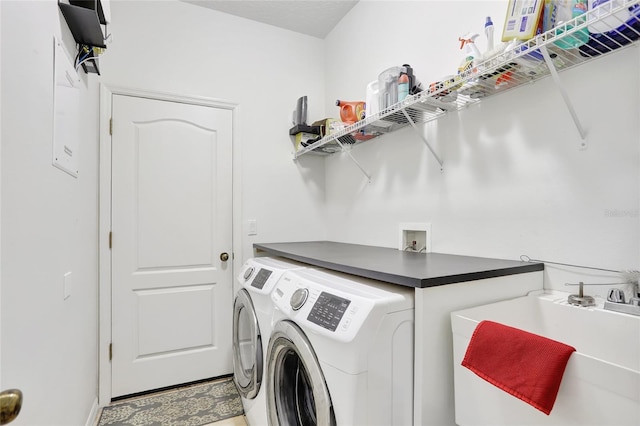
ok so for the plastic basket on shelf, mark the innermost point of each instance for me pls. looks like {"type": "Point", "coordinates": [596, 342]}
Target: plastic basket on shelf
{"type": "Point", "coordinates": [624, 34]}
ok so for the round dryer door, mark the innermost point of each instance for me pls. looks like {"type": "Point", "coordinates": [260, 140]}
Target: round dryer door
{"type": "Point", "coordinates": [296, 390]}
{"type": "Point", "coordinates": [247, 346]}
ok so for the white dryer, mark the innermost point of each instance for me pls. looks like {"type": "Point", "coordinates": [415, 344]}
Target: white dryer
{"type": "Point", "coordinates": [252, 315]}
{"type": "Point", "coordinates": [340, 352]}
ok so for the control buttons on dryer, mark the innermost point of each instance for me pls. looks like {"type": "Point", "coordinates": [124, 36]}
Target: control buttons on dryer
{"type": "Point", "coordinates": [345, 323]}
{"type": "Point", "coordinates": [248, 272]}
{"type": "Point", "coordinates": [298, 298]}
{"type": "Point", "coordinates": [328, 311]}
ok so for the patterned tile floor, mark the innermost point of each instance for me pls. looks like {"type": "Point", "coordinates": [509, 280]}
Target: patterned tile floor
{"type": "Point", "coordinates": [211, 403]}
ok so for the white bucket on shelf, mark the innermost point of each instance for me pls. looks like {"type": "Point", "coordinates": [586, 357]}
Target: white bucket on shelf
{"type": "Point", "coordinates": [602, 8]}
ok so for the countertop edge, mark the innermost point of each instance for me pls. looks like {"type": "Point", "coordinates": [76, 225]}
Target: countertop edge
{"type": "Point", "coordinates": [490, 273]}
{"type": "Point", "coordinates": [404, 280]}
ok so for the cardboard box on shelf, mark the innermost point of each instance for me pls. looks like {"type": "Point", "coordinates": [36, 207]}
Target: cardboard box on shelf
{"type": "Point", "coordinates": [523, 20]}
{"type": "Point", "coordinates": [328, 126]}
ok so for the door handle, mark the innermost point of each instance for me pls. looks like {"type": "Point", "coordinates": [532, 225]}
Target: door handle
{"type": "Point", "coordinates": [224, 256]}
{"type": "Point", "coordinates": [10, 405]}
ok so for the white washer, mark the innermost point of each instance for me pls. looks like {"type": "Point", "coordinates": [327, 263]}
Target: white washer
{"type": "Point", "coordinates": [341, 351]}
{"type": "Point", "coordinates": [252, 315]}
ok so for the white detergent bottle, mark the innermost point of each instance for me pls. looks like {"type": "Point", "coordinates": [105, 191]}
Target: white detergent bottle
{"type": "Point", "coordinates": [371, 102]}
{"type": "Point", "coordinates": [488, 32]}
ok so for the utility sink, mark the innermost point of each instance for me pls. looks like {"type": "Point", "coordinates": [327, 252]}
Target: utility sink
{"type": "Point", "coordinates": [601, 384]}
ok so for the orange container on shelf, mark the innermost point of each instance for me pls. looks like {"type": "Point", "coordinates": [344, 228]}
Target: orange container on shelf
{"type": "Point", "coordinates": [350, 112]}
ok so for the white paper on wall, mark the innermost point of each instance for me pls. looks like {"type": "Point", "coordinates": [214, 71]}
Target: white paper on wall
{"type": "Point", "coordinates": [66, 112]}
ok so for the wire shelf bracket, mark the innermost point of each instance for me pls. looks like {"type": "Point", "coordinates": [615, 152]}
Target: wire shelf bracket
{"type": "Point", "coordinates": [424, 139]}
{"type": "Point", "coordinates": [356, 162]}
{"type": "Point", "coordinates": [556, 79]}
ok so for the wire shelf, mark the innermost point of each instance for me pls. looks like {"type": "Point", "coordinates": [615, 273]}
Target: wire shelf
{"type": "Point", "coordinates": [523, 64]}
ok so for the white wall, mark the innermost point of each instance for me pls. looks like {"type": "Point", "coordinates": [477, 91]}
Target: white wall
{"type": "Point", "coordinates": [514, 181]}
{"type": "Point", "coordinates": [181, 48]}
{"type": "Point", "coordinates": [49, 219]}
{"type": "Point", "coordinates": [49, 227]}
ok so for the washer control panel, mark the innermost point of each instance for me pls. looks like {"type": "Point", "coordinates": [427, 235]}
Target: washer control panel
{"type": "Point", "coordinates": [328, 310]}
{"type": "Point", "coordinates": [261, 278]}
{"type": "Point", "coordinates": [260, 275]}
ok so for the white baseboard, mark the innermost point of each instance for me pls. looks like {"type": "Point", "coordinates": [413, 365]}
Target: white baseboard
{"type": "Point", "coordinates": [92, 420]}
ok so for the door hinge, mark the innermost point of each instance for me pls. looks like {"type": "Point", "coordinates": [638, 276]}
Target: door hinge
{"type": "Point", "coordinates": [110, 239]}
{"type": "Point", "coordinates": [111, 126]}
{"type": "Point", "coordinates": [110, 351]}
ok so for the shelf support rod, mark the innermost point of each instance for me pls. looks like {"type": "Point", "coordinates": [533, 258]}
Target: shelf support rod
{"type": "Point", "coordinates": [565, 96]}
{"type": "Point", "coordinates": [348, 151]}
{"type": "Point", "coordinates": [426, 142]}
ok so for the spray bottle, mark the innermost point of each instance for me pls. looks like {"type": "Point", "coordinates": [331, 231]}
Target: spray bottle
{"type": "Point", "coordinates": [471, 54]}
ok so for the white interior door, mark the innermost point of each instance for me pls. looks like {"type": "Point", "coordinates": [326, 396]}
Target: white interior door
{"type": "Point", "coordinates": [172, 297]}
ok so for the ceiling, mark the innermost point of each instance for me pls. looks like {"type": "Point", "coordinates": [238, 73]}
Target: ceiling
{"type": "Point", "coordinates": [311, 17]}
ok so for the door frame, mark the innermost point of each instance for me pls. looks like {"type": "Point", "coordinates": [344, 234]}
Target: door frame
{"type": "Point", "coordinates": [1, 205]}
{"type": "Point", "coordinates": [104, 211]}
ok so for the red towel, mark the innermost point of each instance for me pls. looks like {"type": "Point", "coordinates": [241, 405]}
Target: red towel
{"type": "Point", "coordinates": [527, 366]}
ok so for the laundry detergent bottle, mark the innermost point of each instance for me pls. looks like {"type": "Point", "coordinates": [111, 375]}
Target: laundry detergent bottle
{"type": "Point", "coordinates": [350, 112]}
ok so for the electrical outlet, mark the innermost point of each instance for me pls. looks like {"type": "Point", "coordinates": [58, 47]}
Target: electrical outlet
{"type": "Point", "coordinates": [415, 237]}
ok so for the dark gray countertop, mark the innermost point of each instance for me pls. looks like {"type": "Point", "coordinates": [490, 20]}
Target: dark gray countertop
{"type": "Point", "coordinates": [409, 269]}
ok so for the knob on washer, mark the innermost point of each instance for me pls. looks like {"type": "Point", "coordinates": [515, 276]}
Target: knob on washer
{"type": "Point", "coordinates": [298, 298]}
{"type": "Point", "coordinates": [248, 272]}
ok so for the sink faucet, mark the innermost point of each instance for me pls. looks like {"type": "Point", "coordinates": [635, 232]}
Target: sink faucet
{"type": "Point", "coordinates": [615, 300]}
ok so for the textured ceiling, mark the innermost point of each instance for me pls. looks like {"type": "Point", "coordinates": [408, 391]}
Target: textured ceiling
{"type": "Point", "coordinates": [315, 18]}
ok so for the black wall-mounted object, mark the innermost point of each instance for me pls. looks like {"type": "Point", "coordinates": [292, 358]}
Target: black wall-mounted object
{"type": "Point", "coordinates": [93, 5]}
{"type": "Point", "coordinates": [84, 18]}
